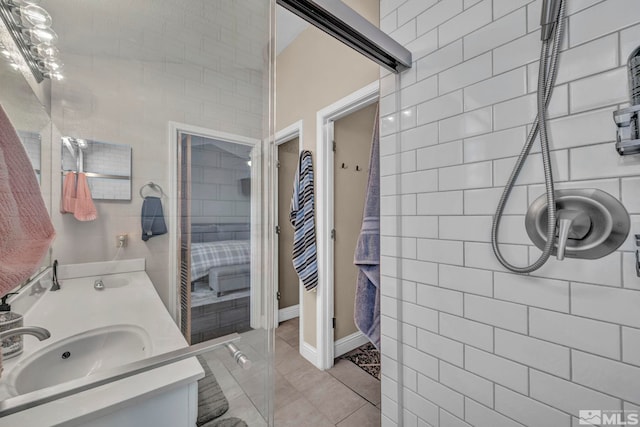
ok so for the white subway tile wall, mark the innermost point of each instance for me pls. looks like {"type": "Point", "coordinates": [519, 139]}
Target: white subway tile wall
{"type": "Point", "coordinates": [217, 169]}
{"type": "Point", "coordinates": [471, 344]}
{"type": "Point", "coordinates": [33, 146]}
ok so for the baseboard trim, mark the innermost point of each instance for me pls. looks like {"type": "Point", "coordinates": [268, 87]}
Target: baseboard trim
{"type": "Point", "coordinates": [348, 343]}
{"type": "Point", "coordinates": [310, 353]}
{"type": "Point", "coordinates": [288, 313]}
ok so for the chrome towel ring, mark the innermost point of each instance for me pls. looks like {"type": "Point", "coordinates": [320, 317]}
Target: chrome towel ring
{"type": "Point", "coordinates": [154, 187]}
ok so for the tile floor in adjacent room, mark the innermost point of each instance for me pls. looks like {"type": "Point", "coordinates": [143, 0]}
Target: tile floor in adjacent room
{"type": "Point", "coordinates": [244, 389]}
{"type": "Point", "coordinates": [343, 396]}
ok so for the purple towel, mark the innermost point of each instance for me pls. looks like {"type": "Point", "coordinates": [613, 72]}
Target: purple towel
{"type": "Point", "coordinates": [367, 255]}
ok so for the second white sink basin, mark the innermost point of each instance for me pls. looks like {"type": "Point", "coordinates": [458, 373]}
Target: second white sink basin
{"type": "Point", "coordinates": [78, 356]}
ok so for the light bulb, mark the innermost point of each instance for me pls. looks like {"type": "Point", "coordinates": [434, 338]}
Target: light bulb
{"type": "Point", "coordinates": [52, 65]}
{"type": "Point", "coordinates": [22, 3]}
{"type": "Point", "coordinates": [45, 51]}
{"type": "Point", "coordinates": [41, 35]}
{"type": "Point", "coordinates": [34, 16]}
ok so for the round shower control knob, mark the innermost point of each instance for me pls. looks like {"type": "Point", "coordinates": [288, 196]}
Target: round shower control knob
{"type": "Point", "coordinates": [591, 223]}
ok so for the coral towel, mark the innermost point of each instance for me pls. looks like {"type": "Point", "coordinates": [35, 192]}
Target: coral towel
{"type": "Point", "coordinates": [84, 209]}
{"type": "Point", "coordinates": [25, 228]}
{"type": "Point", "coordinates": [68, 201]}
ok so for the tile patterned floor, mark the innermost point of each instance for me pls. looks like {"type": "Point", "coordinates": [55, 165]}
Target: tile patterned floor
{"type": "Point", "coordinates": [243, 389]}
{"type": "Point", "coordinates": [344, 396]}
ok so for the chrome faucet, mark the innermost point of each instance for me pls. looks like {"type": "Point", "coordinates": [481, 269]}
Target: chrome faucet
{"type": "Point", "coordinates": [55, 285]}
{"type": "Point", "coordinates": [98, 285]}
{"type": "Point", "coordinates": [38, 332]}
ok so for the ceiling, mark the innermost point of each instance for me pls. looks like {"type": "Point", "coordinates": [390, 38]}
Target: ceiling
{"type": "Point", "coordinates": [288, 27]}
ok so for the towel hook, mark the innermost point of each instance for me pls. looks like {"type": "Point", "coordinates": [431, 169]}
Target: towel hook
{"type": "Point", "coordinates": [153, 186]}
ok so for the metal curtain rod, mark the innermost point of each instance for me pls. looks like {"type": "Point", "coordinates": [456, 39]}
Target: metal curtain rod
{"type": "Point", "coordinates": [340, 21]}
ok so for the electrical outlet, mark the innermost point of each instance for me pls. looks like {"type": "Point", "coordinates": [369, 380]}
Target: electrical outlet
{"type": "Point", "coordinates": [121, 240]}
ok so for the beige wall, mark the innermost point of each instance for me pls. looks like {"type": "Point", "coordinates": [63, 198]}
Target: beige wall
{"type": "Point", "coordinates": [315, 71]}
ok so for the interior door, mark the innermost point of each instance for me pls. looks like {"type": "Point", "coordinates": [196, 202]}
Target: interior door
{"type": "Point", "coordinates": [288, 288]}
{"type": "Point", "coordinates": [184, 215]}
{"type": "Point", "coordinates": [352, 136]}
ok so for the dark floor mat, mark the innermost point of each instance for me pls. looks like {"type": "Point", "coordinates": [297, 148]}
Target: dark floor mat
{"type": "Point", "coordinates": [367, 358]}
{"type": "Point", "coordinates": [211, 400]}
{"type": "Point", "coordinates": [227, 422]}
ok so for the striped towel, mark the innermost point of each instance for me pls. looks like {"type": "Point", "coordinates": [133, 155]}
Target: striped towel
{"type": "Point", "coordinates": [302, 217]}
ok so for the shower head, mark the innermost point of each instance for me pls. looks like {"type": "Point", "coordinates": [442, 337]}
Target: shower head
{"type": "Point", "coordinates": [549, 17]}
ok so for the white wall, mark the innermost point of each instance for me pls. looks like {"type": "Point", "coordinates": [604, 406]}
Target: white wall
{"type": "Point", "coordinates": [130, 69]}
{"type": "Point", "coordinates": [464, 342]}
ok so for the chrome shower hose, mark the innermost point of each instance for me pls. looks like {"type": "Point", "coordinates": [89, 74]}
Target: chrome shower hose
{"type": "Point", "coordinates": [546, 80]}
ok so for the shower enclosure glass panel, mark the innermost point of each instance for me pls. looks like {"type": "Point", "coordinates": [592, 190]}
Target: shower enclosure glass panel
{"type": "Point", "coordinates": [133, 72]}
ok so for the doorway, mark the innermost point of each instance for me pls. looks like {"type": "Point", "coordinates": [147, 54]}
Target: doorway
{"type": "Point", "coordinates": [288, 294]}
{"type": "Point", "coordinates": [286, 150]}
{"type": "Point", "coordinates": [352, 136]}
{"type": "Point", "coordinates": [345, 131]}
{"type": "Point", "coordinates": [215, 237]}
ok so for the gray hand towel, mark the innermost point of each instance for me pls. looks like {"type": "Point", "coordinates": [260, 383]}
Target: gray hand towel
{"type": "Point", "coordinates": [152, 218]}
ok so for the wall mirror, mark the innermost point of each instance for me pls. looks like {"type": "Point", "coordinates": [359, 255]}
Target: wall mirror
{"type": "Point", "coordinates": [30, 117]}
{"type": "Point", "coordinates": [106, 165]}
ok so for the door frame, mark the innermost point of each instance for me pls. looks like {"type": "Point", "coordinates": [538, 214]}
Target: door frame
{"type": "Point", "coordinates": [290, 132]}
{"type": "Point", "coordinates": [325, 119]}
{"type": "Point", "coordinates": [257, 320]}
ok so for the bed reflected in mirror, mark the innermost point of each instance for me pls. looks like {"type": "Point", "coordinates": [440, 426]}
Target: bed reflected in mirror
{"type": "Point", "coordinates": [215, 238]}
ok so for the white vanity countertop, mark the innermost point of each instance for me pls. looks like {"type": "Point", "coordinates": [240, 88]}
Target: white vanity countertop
{"type": "Point", "coordinates": [129, 298]}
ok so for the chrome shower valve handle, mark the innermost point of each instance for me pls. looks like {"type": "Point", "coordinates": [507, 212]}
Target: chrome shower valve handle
{"type": "Point", "coordinates": [591, 223]}
{"type": "Point", "coordinates": [571, 224]}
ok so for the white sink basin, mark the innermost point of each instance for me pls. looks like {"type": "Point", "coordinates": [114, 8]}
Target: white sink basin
{"type": "Point", "coordinates": [115, 282]}
{"type": "Point", "coordinates": [78, 356]}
